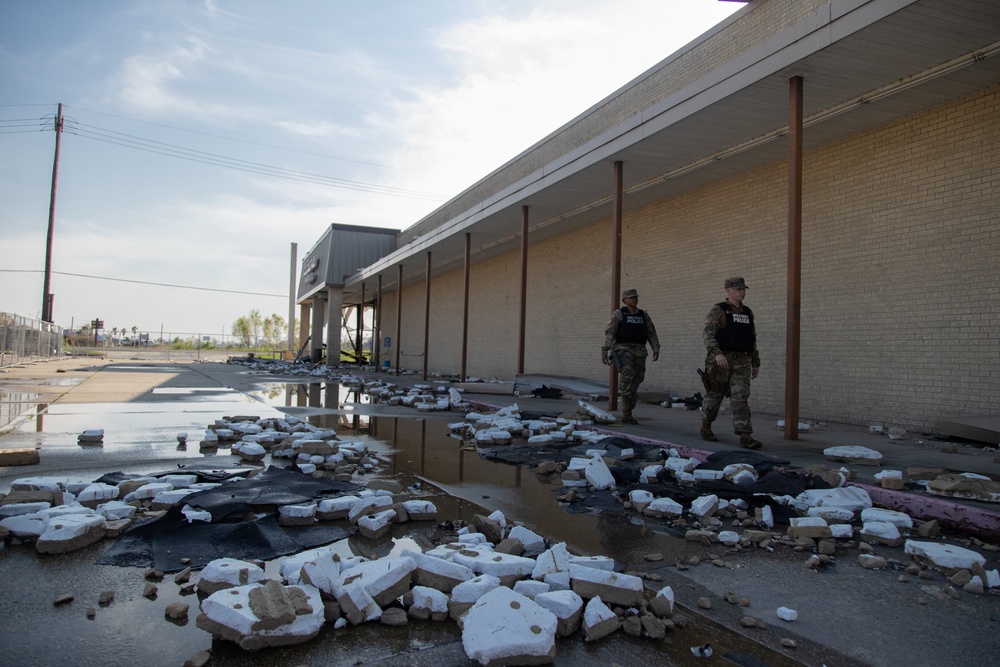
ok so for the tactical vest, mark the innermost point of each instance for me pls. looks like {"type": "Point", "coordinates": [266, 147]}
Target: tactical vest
{"type": "Point", "coordinates": [632, 328]}
{"type": "Point", "coordinates": [738, 334]}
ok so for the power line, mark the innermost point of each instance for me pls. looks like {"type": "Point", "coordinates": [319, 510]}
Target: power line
{"type": "Point", "coordinates": [193, 155]}
{"type": "Point", "coordinates": [143, 282]}
{"type": "Point", "coordinates": [95, 133]}
{"type": "Point", "coordinates": [242, 141]}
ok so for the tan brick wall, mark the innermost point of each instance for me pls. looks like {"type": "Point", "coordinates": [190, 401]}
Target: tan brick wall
{"type": "Point", "coordinates": [899, 281]}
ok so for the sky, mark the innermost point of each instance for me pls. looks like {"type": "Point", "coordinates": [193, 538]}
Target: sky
{"type": "Point", "coordinates": [203, 138]}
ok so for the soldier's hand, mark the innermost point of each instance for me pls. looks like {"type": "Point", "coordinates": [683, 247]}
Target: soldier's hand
{"type": "Point", "coordinates": [721, 360]}
{"type": "Point", "coordinates": [604, 358]}
{"type": "Point", "coordinates": [754, 372]}
{"type": "Point", "coordinates": [656, 355]}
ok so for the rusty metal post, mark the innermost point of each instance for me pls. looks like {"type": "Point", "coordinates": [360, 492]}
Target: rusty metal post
{"type": "Point", "coordinates": [794, 295]}
{"type": "Point", "coordinates": [377, 327]}
{"type": "Point", "coordinates": [465, 305]}
{"type": "Point", "coordinates": [399, 312]}
{"type": "Point", "coordinates": [524, 290]}
{"type": "Point", "coordinates": [616, 271]}
{"type": "Point", "coordinates": [360, 331]}
{"type": "Point", "coordinates": [427, 312]}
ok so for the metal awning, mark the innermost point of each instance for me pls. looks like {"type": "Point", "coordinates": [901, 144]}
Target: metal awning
{"type": "Point", "coordinates": [864, 64]}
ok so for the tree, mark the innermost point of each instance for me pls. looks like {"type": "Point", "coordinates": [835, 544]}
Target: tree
{"type": "Point", "coordinates": [274, 330]}
{"type": "Point", "coordinates": [252, 330]}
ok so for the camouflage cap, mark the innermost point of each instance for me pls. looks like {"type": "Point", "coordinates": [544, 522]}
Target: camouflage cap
{"type": "Point", "coordinates": [736, 283]}
{"type": "Point", "coordinates": [630, 293]}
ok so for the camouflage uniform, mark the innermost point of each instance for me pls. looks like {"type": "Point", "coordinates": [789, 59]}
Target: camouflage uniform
{"type": "Point", "coordinates": [629, 358]}
{"type": "Point", "coordinates": [733, 381]}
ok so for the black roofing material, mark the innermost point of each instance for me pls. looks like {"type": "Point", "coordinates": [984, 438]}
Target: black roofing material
{"type": "Point", "coordinates": [272, 486]}
{"type": "Point", "coordinates": [162, 543]}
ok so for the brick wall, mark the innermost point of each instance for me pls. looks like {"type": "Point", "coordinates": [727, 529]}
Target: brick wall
{"type": "Point", "coordinates": [899, 281]}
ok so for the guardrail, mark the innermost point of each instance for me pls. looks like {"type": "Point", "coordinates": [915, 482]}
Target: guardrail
{"type": "Point", "coordinates": [24, 339]}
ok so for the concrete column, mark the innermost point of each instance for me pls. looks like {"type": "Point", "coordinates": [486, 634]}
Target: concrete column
{"type": "Point", "coordinates": [316, 340]}
{"type": "Point", "coordinates": [334, 323]}
{"type": "Point", "coordinates": [304, 312]}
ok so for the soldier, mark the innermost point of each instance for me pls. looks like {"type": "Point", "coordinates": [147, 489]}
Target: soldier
{"type": "Point", "coordinates": [625, 338]}
{"type": "Point", "coordinates": [732, 362]}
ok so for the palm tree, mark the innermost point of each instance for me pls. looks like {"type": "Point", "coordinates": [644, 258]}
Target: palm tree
{"type": "Point", "coordinates": [114, 334]}
{"type": "Point", "coordinates": [135, 336]}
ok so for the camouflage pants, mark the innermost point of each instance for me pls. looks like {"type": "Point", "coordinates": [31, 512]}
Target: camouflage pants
{"type": "Point", "coordinates": [631, 373]}
{"type": "Point", "coordinates": [735, 381]}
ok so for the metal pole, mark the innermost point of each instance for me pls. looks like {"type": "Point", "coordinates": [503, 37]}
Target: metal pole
{"type": "Point", "coordinates": [46, 297]}
{"type": "Point", "coordinates": [524, 289]}
{"type": "Point", "coordinates": [427, 312]}
{"type": "Point", "coordinates": [794, 295]}
{"type": "Point", "coordinates": [361, 327]}
{"type": "Point", "coordinates": [399, 311]}
{"type": "Point", "coordinates": [616, 271]}
{"type": "Point", "coordinates": [291, 299]}
{"type": "Point", "coordinates": [377, 327]}
{"type": "Point", "coordinates": [465, 306]}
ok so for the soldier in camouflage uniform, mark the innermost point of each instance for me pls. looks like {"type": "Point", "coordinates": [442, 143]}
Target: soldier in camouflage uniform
{"type": "Point", "coordinates": [732, 361]}
{"type": "Point", "coordinates": [625, 338]}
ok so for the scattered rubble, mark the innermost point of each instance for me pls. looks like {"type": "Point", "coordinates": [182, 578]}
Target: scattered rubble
{"type": "Point", "coordinates": [511, 592]}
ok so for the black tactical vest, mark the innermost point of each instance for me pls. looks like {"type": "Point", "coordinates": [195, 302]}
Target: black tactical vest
{"type": "Point", "coordinates": [738, 334]}
{"type": "Point", "coordinates": [632, 328]}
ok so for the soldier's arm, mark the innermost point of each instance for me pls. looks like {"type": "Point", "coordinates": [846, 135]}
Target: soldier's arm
{"type": "Point", "coordinates": [713, 322]}
{"type": "Point", "coordinates": [610, 329]}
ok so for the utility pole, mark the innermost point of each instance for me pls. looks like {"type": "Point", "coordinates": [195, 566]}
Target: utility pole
{"type": "Point", "coordinates": [47, 315]}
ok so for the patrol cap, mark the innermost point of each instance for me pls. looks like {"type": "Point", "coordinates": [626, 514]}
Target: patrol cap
{"type": "Point", "coordinates": [629, 293]}
{"type": "Point", "coordinates": [735, 283]}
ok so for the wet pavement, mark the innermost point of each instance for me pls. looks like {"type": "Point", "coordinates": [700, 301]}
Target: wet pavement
{"type": "Point", "coordinates": [847, 615]}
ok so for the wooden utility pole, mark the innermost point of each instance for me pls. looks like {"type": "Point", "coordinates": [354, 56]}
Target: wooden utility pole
{"type": "Point", "coordinates": [46, 296]}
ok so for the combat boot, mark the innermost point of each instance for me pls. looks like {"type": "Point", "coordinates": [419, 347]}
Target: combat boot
{"type": "Point", "coordinates": [706, 432]}
{"type": "Point", "coordinates": [747, 442]}
{"type": "Point", "coordinates": [627, 417]}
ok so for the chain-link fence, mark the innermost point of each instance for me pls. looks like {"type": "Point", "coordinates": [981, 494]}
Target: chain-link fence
{"type": "Point", "coordinates": [23, 339]}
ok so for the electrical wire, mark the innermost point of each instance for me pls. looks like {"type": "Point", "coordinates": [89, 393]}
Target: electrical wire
{"type": "Point", "coordinates": [242, 141]}
{"type": "Point", "coordinates": [143, 282]}
{"type": "Point", "coordinates": [139, 143]}
{"type": "Point", "coordinates": [104, 135]}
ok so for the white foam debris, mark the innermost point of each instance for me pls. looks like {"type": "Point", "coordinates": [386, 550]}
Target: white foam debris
{"type": "Point", "coordinates": [505, 627]}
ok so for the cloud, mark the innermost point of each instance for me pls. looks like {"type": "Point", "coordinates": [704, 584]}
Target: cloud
{"type": "Point", "coordinates": [147, 82]}
{"type": "Point", "coordinates": [519, 77]}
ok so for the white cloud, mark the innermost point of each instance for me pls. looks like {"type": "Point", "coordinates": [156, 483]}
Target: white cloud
{"type": "Point", "coordinates": [147, 81]}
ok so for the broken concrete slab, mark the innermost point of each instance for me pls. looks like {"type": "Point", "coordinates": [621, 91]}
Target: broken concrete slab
{"type": "Point", "coordinates": [854, 454]}
{"type": "Point", "coordinates": [505, 627]}
{"type": "Point", "coordinates": [612, 587]}
{"type": "Point", "coordinates": [70, 532]}
{"type": "Point", "coordinates": [231, 615]}
{"type": "Point", "coordinates": [225, 573]}
{"type": "Point", "coordinates": [946, 558]}
{"type": "Point", "coordinates": [19, 457]}
{"type": "Point", "coordinates": [983, 428]}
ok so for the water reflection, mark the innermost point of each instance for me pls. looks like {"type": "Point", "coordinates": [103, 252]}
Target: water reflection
{"type": "Point", "coordinates": [14, 404]}
{"type": "Point", "coordinates": [331, 403]}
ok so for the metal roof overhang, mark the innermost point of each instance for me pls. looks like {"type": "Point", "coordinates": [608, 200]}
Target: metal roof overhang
{"type": "Point", "coordinates": [869, 64]}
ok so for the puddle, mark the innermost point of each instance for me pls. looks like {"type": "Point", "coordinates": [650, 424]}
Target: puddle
{"type": "Point", "coordinates": [14, 404]}
{"type": "Point", "coordinates": [193, 390]}
{"type": "Point", "coordinates": [325, 395]}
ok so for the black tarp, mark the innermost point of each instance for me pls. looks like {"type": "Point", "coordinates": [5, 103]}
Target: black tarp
{"type": "Point", "coordinates": [162, 543]}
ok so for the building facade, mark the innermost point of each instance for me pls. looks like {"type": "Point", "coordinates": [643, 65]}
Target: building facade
{"type": "Point", "coordinates": [870, 248]}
